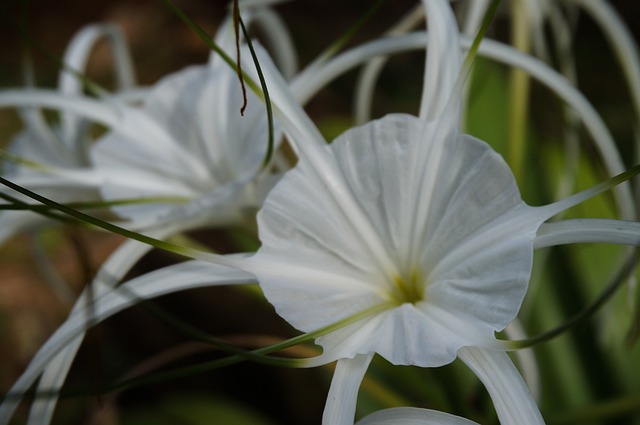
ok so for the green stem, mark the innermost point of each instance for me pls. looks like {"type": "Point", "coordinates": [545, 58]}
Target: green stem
{"type": "Point", "coordinates": [242, 356]}
{"type": "Point", "coordinates": [588, 312]}
{"type": "Point", "coordinates": [518, 93]}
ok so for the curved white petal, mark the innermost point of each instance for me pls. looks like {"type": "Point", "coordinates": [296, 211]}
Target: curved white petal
{"type": "Point", "coordinates": [79, 49]}
{"type": "Point", "coordinates": [103, 112]}
{"type": "Point", "coordinates": [424, 335]}
{"type": "Point", "coordinates": [474, 13]}
{"type": "Point", "coordinates": [588, 230]}
{"type": "Point", "coordinates": [602, 138]}
{"type": "Point", "coordinates": [279, 40]}
{"type": "Point", "coordinates": [53, 377]}
{"type": "Point", "coordinates": [363, 97]}
{"type": "Point", "coordinates": [443, 61]}
{"type": "Point", "coordinates": [511, 397]}
{"type": "Point", "coordinates": [175, 278]}
{"type": "Point", "coordinates": [343, 393]}
{"type": "Point", "coordinates": [76, 57]}
{"type": "Point", "coordinates": [412, 416]}
{"type": "Point", "coordinates": [621, 40]}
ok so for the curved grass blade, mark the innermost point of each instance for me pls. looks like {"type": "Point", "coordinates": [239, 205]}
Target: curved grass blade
{"type": "Point", "coordinates": [23, 206]}
{"type": "Point", "coordinates": [244, 355]}
{"type": "Point", "coordinates": [90, 220]}
{"type": "Point", "coordinates": [585, 314]}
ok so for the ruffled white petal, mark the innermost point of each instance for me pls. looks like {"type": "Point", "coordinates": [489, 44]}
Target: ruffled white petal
{"type": "Point", "coordinates": [424, 335]}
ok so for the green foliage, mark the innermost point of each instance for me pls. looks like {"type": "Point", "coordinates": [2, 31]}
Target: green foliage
{"type": "Point", "coordinates": [195, 409]}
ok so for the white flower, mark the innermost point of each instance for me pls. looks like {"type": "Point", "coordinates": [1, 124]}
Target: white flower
{"type": "Point", "coordinates": [413, 222]}
{"type": "Point", "coordinates": [189, 144]}
{"type": "Point", "coordinates": [190, 141]}
{"type": "Point", "coordinates": [441, 241]}
{"type": "Point", "coordinates": [433, 236]}
{"type": "Point", "coordinates": [186, 154]}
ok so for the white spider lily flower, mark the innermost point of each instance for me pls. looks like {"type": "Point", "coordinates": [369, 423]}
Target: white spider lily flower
{"type": "Point", "coordinates": [188, 143]}
{"type": "Point", "coordinates": [43, 147]}
{"type": "Point", "coordinates": [409, 215]}
{"type": "Point", "coordinates": [448, 253]}
{"type": "Point", "coordinates": [405, 215]}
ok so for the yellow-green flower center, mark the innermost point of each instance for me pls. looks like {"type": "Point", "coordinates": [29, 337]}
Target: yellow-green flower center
{"type": "Point", "coordinates": [409, 288]}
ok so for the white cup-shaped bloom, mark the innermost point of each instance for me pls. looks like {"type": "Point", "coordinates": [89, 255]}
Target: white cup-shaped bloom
{"type": "Point", "coordinates": [451, 277]}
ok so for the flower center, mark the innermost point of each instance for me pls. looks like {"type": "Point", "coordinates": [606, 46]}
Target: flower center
{"type": "Point", "coordinates": [409, 288]}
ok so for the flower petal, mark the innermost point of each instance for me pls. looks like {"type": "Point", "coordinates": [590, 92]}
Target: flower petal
{"type": "Point", "coordinates": [511, 398]}
{"type": "Point", "coordinates": [443, 61]}
{"type": "Point", "coordinates": [343, 393]}
{"type": "Point", "coordinates": [413, 416]}
{"type": "Point", "coordinates": [588, 230]}
{"type": "Point", "coordinates": [99, 111]}
{"type": "Point", "coordinates": [76, 57]}
{"type": "Point", "coordinates": [423, 335]}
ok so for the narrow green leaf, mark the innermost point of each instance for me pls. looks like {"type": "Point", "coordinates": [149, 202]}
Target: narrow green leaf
{"type": "Point", "coordinates": [88, 219]}
{"type": "Point", "coordinates": [588, 312]}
